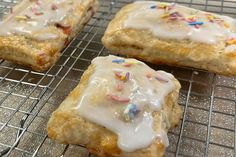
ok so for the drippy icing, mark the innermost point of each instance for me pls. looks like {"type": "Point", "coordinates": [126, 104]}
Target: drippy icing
{"type": "Point", "coordinates": [33, 16]}
{"type": "Point", "coordinates": [110, 91]}
{"type": "Point", "coordinates": [159, 19]}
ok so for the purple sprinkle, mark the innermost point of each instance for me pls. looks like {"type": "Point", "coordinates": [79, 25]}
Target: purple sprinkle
{"type": "Point", "coordinates": [127, 75]}
{"type": "Point", "coordinates": [153, 7]}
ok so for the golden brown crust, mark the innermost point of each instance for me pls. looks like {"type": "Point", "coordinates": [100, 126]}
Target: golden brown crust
{"type": "Point", "coordinates": [42, 54]}
{"type": "Point", "coordinates": [142, 44]}
{"type": "Point", "coordinates": [67, 126]}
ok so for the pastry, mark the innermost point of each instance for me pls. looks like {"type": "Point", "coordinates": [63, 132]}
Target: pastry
{"type": "Point", "coordinates": [35, 31]}
{"type": "Point", "coordinates": [120, 108]}
{"type": "Point", "coordinates": [167, 33]}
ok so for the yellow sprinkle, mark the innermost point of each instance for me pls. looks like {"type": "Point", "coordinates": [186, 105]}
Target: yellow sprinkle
{"type": "Point", "coordinates": [210, 17]}
{"type": "Point", "coordinates": [191, 17]}
{"type": "Point", "coordinates": [21, 17]}
{"type": "Point", "coordinates": [122, 78]}
{"type": "Point", "coordinates": [132, 62]}
{"type": "Point", "coordinates": [162, 5]}
{"type": "Point", "coordinates": [231, 42]}
{"type": "Point", "coordinates": [226, 25]}
{"type": "Point", "coordinates": [165, 16]}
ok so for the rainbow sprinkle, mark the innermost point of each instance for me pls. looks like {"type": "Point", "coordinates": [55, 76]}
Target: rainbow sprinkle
{"type": "Point", "coordinates": [38, 13]}
{"type": "Point", "coordinates": [166, 6]}
{"type": "Point", "coordinates": [192, 21]}
{"type": "Point", "coordinates": [127, 76]}
{"type": "Point", "coordinates": [118, 98]}
{"type": "Point", "coordinates": [118, 61]}
{"type": "Point", "coordinates": [196, 23]}
{"type": "Point", "coordinates": [161, 78]}
{"type": "Point", "coordinates": [210, 17]}
{"type": "Point", "coordinates": [130, 112]}
{"type": "Point", "coordinates": [226, 25]}
{"type": "Point", "coordinates": [130, 63]}
{"type": "Point", "coordinates": [149, 75]}
{"type": "Point", "coordinates": [163, 6]}
{"type": "Point", "coordinates": [122, 76]}
{"type": "Point", "coordinates": [216, 19]}
{"type": "Point", "coordinates": [153, 7]}
{"type": "Point", "coordinates": [21, 18]}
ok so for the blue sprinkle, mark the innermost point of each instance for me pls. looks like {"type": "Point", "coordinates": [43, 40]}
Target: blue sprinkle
{"type": "Point", "coordinates": [118, 61]}
{"type": "Point", "coordinates": [196, 23]}
{"type": "Point", "coordinates": [153, 7]}
{"type": "Point", "coordinates": [130, 112]}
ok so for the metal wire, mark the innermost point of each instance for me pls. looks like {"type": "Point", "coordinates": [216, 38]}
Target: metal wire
{"type": "Point", "coordinates": [27, 98]}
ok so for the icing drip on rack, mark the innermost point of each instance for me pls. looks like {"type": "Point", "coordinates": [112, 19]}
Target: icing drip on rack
{"type": "Point", "coordinates": [33, 16]}
{"type": "Point", "coordinates": [172, 21]}
{"type": "Point", "coordinates": [121, 95]}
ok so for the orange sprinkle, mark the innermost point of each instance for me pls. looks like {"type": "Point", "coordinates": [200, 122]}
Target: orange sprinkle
{"type": "Point", "coordinates": [226, 25]}
{"type": "Point", "coordinates": [231, 41]}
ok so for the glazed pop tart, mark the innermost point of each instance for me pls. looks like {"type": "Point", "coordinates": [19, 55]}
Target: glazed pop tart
{"type": "Point", "coordinates": [168, 33]}
{"type": "Point", "coordinates": [121, 108]}
{"type": "Point", "coordinates": [35, 31]}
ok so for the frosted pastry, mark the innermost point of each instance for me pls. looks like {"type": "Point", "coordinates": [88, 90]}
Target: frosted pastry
{"type": "Point", "coordinates": [36, 30]}
{"type": "Point", "coordinates": [167, 33]}
{"type": "Point", "coordinates": [121, 108]}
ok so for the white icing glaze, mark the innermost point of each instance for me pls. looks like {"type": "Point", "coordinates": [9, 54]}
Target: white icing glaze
{"type": "Point", "coordinates": [32, 16]}
{"type": "Point", "coordinates": [143, 17]}
{"type": "Point", "coordinates": [144, 87]}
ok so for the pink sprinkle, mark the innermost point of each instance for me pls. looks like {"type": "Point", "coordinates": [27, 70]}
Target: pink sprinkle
{"type": "Point", "coordinates": [118, 98]}
{"type": "Point", "coordinates": [127, 65]}
{"type": "Point", "coordinates": [191, 20]}
{"type": "Point", "coordinates": [161, 78]}
{"type": "Point", "coordinates": [120, 86]}
{"type": "Point", "coordinates": [197, 26]}
{"type": "Point", "coordinates": [118, 74]}
{"type": "Point", "coordinates": [149, 75]}
{"type": "Point", "coordinates": [38, 13]}
{"type": "Point", "coordinates": [173, 18]}
{"type": "Point", "coordinates": [54, 7]}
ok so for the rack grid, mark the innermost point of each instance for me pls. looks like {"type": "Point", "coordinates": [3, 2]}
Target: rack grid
{"type": "Point", "coordinates": [27, 98]}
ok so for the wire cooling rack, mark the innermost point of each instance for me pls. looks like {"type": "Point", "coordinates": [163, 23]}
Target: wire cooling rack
{"type": "Point", "coordinates": [27, 98]}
